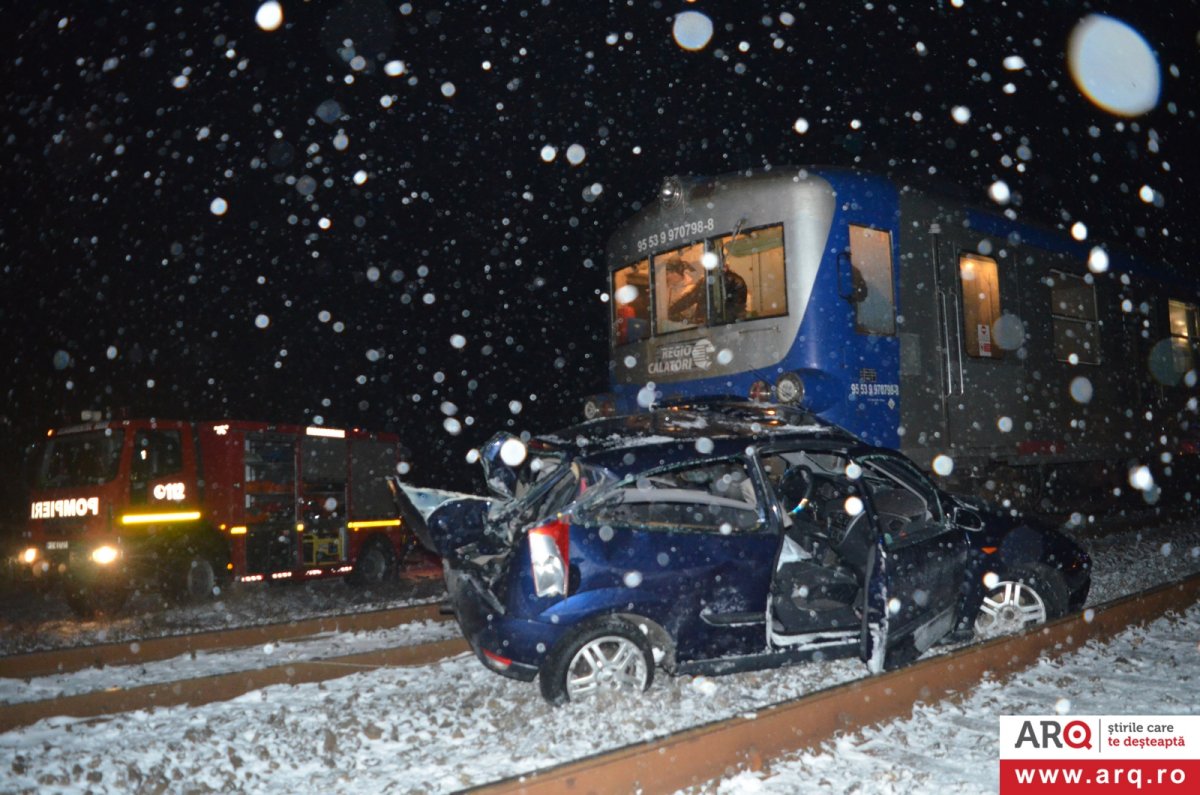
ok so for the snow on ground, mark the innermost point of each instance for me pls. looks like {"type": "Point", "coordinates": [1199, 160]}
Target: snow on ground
{"type": "Point", "coordinates": [954, 747]}
{"type": "Point", "coordinates": [1137, 559]}
{"type": "Point", "coordinates": [209, 663]}
{"type": "Point", "coordinates": [436, 728]}
{"type": "Point", "coordinates": [36, 621]}
{"type": "Point", "coordinates": [454, 724]}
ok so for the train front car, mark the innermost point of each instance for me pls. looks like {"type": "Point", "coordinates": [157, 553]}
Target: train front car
{"type": "Point", "coordinates": [778, 286]}
{"type": "Point", "coordinates": [1001, 354]}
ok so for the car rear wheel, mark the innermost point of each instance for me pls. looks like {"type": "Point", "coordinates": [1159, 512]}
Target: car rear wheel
{"type": "Point", "coordinates": [1028, 596]}
{"type": "Point", "coordinates": [609, 655]}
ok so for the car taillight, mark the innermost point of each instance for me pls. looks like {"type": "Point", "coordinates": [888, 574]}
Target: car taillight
{"type": "Point", "coordinates": [549, 550]}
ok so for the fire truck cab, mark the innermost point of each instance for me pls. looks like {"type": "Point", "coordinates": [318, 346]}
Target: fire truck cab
{"type": "Point", "coordinates": [182, 505]}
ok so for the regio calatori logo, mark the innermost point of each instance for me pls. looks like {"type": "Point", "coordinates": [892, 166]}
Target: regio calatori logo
{"type": "Point", "coordinates": [683, 357]}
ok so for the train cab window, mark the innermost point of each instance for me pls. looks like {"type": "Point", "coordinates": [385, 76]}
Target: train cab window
{"type": "Point", "coordinates": [680, 289]}
{"type": "Point", "coordinates": [631, 303]}
{"type": "Point", "coordinates": [750, 280]}
{"type": "Point", "coordinates": [1185, 334]}
{"type": "Point", "coordinates": [1073, 312]}
{"type": "Point", "coordinates": [980, 281]}
{"type": "Point", "coordinates": [871, 272]}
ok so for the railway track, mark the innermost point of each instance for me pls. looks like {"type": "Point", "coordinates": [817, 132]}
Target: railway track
{"type": "Point", "coordinates": [697, 754]}
{"type": "Point", "coordinates": [208, 689]}
{"type": "Point", "coordinates": [59, 661]}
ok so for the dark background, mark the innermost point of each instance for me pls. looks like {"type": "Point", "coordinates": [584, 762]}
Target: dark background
{"type": "Point", "coordinates": [123, 292]}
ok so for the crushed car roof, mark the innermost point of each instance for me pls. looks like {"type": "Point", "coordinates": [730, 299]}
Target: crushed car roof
{"type": "Point", "coordinates": [728, 424]}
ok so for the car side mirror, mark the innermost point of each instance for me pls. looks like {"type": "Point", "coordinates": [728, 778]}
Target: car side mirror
{"type": "Point", "coordinates": [966, 519]}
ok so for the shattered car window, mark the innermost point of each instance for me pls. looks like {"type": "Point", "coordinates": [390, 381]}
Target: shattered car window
{"type": "Point", "coordinates": [713, 497]}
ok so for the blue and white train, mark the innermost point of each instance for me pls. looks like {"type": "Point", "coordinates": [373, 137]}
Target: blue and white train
{"type": "Point", "coordinates": [971, 342]}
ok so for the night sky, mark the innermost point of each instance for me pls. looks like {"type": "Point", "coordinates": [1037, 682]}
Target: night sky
{"type": "Point", "coordinates": [122, 123]}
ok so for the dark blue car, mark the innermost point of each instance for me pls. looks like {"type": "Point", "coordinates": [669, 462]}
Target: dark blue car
{"type": "Point", "coordinates": [726, 537]}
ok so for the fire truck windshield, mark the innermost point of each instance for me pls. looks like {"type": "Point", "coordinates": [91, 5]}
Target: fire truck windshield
{"type": "Point", "coordinates": [80, 459]}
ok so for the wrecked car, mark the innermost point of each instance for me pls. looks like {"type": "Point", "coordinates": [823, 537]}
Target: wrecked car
{"type": "Point", "coordinates": [722, 537]}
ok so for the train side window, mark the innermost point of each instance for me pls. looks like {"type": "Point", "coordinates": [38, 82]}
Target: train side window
{"type": "Point", "coordinates": [871, 270]}
{"type": "Point", "coordinates": [631, 303]}
{"type": "Point", "coordinates": [980, 281]}
{"type": "Point", "coordinates": [680, 289]}
{"type": "Point", "coordinates": [751, 283]}
{"type": "Point", "coordinates": [1184, 319]}
{"type": "Point", "coordinates": [1073, 312]}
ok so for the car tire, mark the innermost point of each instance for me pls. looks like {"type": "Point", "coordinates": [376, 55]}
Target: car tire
{"type": "Point", "coordinates": [374, 564]}
{"type": "Point", "coordinates": [1028, 595]}
{"type": "Point", "coordinates": [609, 654]}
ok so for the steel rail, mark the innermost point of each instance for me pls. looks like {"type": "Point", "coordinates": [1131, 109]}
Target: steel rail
{"type": "Point", "coordinates": [223, 687]}
{"type": "Point", "coordinates": [699, 755]}
{"type": "Point", "coordinates": [60, 661]}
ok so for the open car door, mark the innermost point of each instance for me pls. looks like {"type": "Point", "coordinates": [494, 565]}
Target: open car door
{"type": "Point", "coordinates": [915, 568]}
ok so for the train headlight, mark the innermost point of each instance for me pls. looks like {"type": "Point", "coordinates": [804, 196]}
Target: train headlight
{"type": "Point", "coordinates": [760, 392]}
{"type": "Point", "coordinates": [789, 389]}
{"type": "Point", "coordinates": [30, 555]}
{"type": "Point", "coordinates": [670, 193]}
{"type": "Point", "coordinates": [105, 555]}
{"type": "Point", "coordinates": [598, 406]}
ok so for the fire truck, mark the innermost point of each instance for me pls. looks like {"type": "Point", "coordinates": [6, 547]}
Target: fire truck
{"type": "Point", "coordinates": [183, 506]}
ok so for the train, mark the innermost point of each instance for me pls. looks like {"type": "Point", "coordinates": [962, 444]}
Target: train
{"type": "Point", "coordinates": [995, 352]}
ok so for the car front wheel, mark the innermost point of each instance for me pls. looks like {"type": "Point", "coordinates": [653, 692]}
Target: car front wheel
{"type": "Point", "coordinates": [1026, 597]}
{"type": "Point", "coordinates": [609, 655]}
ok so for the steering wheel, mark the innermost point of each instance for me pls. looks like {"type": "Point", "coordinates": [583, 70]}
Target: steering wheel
{"type": "Point", "coordinates": [796, 490]}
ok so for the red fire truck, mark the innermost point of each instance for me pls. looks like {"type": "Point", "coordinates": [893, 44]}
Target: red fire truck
{"type": "Point", "coordinates": [183, 505]}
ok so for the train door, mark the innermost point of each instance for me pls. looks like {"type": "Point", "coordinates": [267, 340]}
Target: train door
{"type": "Point", "coordinates": [871, 351]}
{"type": "Point", "coordinates": [981, 331]}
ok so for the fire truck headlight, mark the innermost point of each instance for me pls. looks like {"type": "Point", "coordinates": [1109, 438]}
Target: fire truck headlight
{"type": "Point", "coordinates": [105, 555]}
{"type": "Point", "coordinates": [30, 555]}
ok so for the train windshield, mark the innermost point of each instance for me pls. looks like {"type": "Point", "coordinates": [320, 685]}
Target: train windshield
{"type": "Point", "coordinates": [726, 279]}
{"type": "Point", "coordinates": [80, 459]}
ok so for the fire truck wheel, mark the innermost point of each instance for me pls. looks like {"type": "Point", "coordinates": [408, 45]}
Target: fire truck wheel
{"type": "Point", "coordinates": [374, 565]}
{"type": "Point", "coordinates": [201, 580]}
{"type": "Point", "coordinates": [96, 601]}
{"type": "Point", "coordinates": [189, 579]}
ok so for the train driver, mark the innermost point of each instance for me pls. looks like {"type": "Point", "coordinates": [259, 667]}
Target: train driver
{"type": "Point", "coordinates": [688, 302]}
